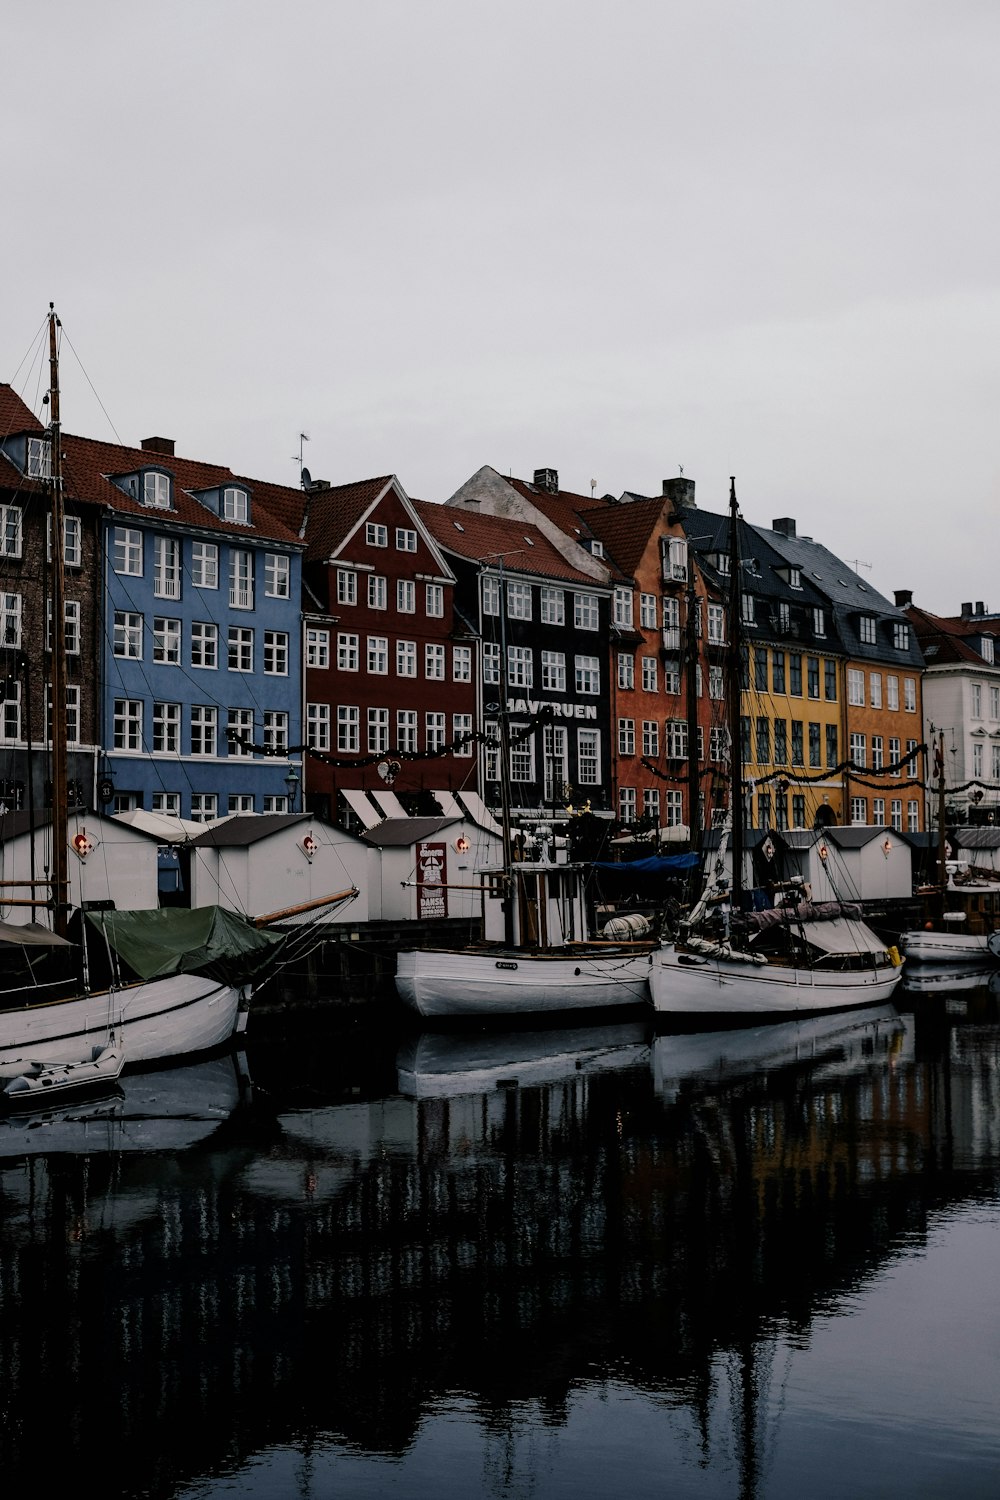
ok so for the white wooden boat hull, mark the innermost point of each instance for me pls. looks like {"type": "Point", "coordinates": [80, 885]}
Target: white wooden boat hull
{"type": "Point", "coordinates": [928, 947]}
{"type": "Point", "coordinates": [683, 984]}
{"type": "Point", "coordinates": [155, 1019]}
{"type": "Point", "coordinates": [449, 982]}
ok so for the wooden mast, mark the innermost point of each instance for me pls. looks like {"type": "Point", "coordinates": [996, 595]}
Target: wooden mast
{"type": "Point", "coordinates": [734, 699]}
{"type": "Point", "coordinates": [691, 683]}
{"type": "Point", "coordinates": [507, 900]}
{"type": "Point", "coordinates": [57, 706]}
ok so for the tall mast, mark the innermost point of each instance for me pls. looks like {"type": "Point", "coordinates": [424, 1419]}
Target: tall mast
{"type": "Point", "coordinates": [504, 727]}
{"type": "Point", "coordinates": [942, 841]}
{"type": "Point", "coordinates": [734, 697]}
{"type": "Point", "coordinates": [694, 784]}
{"type": "Point", "coordinates": [57, 710]}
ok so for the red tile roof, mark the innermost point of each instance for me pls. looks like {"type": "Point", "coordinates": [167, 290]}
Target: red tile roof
{"type": "Point", "coordinates": [946, 635]}
{"type": "Point", "coordinates": [474, 535]}
{"type": "Point", "coordinates": [14, 415]}
{"type": "Point", "coordinates": [625, 530]}
{"type": "Point", "coordinates": [332, 513]}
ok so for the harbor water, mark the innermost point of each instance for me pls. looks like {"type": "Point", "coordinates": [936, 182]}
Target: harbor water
{"type": "Point", "coordinates": [360, 1259]}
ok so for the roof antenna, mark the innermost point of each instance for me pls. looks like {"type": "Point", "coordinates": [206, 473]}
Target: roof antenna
{"type": "Point", "coordinates": [304, 475]}
{"type": "Point", "coordinates": [856, 563]}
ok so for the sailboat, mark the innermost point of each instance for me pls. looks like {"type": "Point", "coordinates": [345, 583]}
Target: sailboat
{"type": "Point", "coordinates": [162, 983]}
{"type": "Point", "coordinates": [538, 956]}
{"type": "Point", "coordinates": [960, 910]}
{"type": "Point", "coordinates": [799, 957]}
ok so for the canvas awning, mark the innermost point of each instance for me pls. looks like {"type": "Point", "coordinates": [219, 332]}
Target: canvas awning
{"type": "Point", "coordinates": [31, 935]}
{"type": "Point", "coordinates": [842, 935]}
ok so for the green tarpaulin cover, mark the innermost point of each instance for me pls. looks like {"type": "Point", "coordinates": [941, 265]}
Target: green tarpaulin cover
{"type": "Point", "coordinates": [207, 940]}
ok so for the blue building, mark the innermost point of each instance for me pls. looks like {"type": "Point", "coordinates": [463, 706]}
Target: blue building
{"type": "Point", "coordinates": [200, 646]}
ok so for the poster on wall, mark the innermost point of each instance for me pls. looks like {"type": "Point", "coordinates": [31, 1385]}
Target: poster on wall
{"type": "Point", "coordinates": [432, 897]}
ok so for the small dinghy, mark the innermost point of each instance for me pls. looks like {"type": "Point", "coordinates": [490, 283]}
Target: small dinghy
{"type": "Point", "coordinates": [42, 1083]}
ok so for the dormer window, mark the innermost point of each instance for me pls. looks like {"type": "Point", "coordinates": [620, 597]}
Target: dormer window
{"type": "Point", "coordinates": [235, 505]}
{"type": "Point", "coordinates": [866, 629]}
{"type": "Point", "coordinates": [156, 489]}
{"type": "Point", "coordinates": [901, 636]}
{"type": "Point", "coordinates": [674, 552]}
{"type": "Point", "coordinates": [39, 458]}
{"type": "Point", "coordinates": [596, 548]}
{"type": "Point", "coordinates": [794, 578]}
{"type": "Point", "coordinates": [986, 648]}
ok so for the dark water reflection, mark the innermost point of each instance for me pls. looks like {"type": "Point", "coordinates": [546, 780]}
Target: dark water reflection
{"type": "Point", "coordinates": [592, 1262]}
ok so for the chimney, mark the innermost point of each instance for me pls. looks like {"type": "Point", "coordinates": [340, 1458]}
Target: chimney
{"type": "Point", "coordinates": [904, 598]}
{"type": "Point", "coordinates": [784, 526]}
{"type": "Point", "coordinates": [547, 480]}
{"type": "Point", "coordinates": [966, 611]}
{"type": "Point", "coordinates": [158, 445]}
{"type": "Point", "coordinates": [980, 607]}
{"type": "Point", "coordinates": [680, 493]}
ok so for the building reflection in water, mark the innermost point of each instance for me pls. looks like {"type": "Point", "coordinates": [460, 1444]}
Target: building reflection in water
{"type": "Point", "coordinates": [507, 1217]}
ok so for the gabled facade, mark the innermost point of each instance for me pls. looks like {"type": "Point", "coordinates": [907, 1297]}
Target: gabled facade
{"type": "Point", "coordinates": [961, 702]}
{"type": "Point", "coordinates": [389, 664]}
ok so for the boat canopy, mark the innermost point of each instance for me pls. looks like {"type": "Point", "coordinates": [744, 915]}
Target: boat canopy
{"type": "Point", "coordinates": [205, 940]}
{"type": "Point", "coordinates": [842, 935]}
{"type": "Point", "coordinates": [31, 935]}
{"type": "Point", "coordinates": [654, 864]}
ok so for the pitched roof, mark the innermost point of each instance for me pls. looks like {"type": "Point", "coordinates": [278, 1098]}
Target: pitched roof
{"type": "Point", "coordinates": [330, 513]}
{"type": "Point", "coordinates": [942, 640]}
{"type": "Point", "coordinates": [396, 833]}
{"type": "Point", "coordinates": [479, 537]}
{"type": "Point", "coordinates": [14, 415]}
{"type": "Point", "coordinates": [625, 530]}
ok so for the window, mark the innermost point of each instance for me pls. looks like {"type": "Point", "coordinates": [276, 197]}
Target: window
{"type": "Point", "coordinates": [780, 742]}
{"type": "Point", "coordinates": [461, 663]}
{"type": "Point", "coordinates": [317, 648]}
{"type": "Point", "coordinates": [586, 612]}
{"type": "Point", "coordinates": [553, 672]}
{"type": "Point", "coordinates": [832, 746]}
{"type": "Point", "coordinates": [587, 671]}
{"type": "Point", "coordinates": [778, 671]}
{"type": "Point", "coordinates": [798, 810]}
{"type": "Point", "coordinates": [877, 752]}
{"type": "Point", "coordinates": [166, 729]}
{"type": "Point", "coordinates": [239, 802]}
{"type": "Point", "coordinates": [276, 653]}
{"type": "Point", "coordinates": [240, 579]}
{"type": "Point", "coordinates": [406, 658]}
{"type": "Point", "coordinates": [976, 700]}
{"type": "Point", "coordinates": [156, 490]}
{"type": "Point", "coordinates": [815, 746]}
{"type": "Point", "coordinates": [798, 747]}
{"type": "Point", "coordinates": [986, 648]}
{"type": "Point", "coordinates": [651, 803]}
{"type": "Point", "coordinates": [126, 551]}
{"type": "Point", "coordinates": [461, 733]}
{"type": "Point", "coordinates": [204, 645]}
{"type": "Point", "coordinates": [204, 565]}
{"type": "Point", "coordinates": [626, 736]}
{"type": "Point", "coordinates": [347, 586]}
{"type": "Point", "coordinates": [520, 666]}
{"type": "Point", "coordinates": [277, 583]}
{"type": "Point", "coordinates": [519, 601]}
{"type": "Point", "coordinates": [764, 810]}
{"type": "Point", "coordinates": [763, 740]}
{"type": "Point", "coordinates": [167, 803]}
{"type": "Point", "coordinates": [491, 662]}
{"type": "Point", "coordinates": [784, 618]}
{"type": "Point", "coordinates": [240, 649]}
{"type": "Point", "coordinates": [204, 807]}
{"type": "Point", "coordinates": [166, 640]}
{"type": "Point", "coordinates": [892, 693]}
{"type": "Point", "coordinates": [127, 724]}
{"type": "Point", "coordinates": [812, 676]}
{"type": "Point", "coordinates": [672, 625]}
{"type": "Point", "coordinates": [235, 505]}
{"type": "Point", "coordinates": [406, 596]}
{"type": "Point", "coordinates": [588, 757]}
{"type": "Point", "coordinates": [378, 731]}
{"type": "Point", "coordinates": [795, 674]}
{"type": "Point", "coordinates": [830, 676]}
{"type": "Point", "coordinates": [406, 730]}
{"type": "Point", "coordinates": [866, 630]}
{"type": "Point", "coordinates": [716, 683]}
{"type": "Point", "coordinates": [347, 653]}
{"type": "Point", "coordinates": [676, 732]}
{"type": "Point", "coordinates": [406, 540]}
{"type": "Point", "coordinates": [913, 816]}
{"type": "Point", "coordinates": [626, 669]}
{"type": "Point", "coordinates": [859, 750]}
{"type": "Point", "coordinates": [377, 592]}
{"type": "Point", "coordinates": [166, 567]}
{"type": "Point", "coordinates": [239, 732]}
{"type": "Point", "coordinates": [651, 738]}
{"type": "Point", "coordinates": [39, 458]}
{"type": "Point", "coordinates": [901, 635]}
{"type": "Point", "coordinates": [819, 622]}
{"type": "Point", "coordinates": [555, 752]}
{"type": "Point", "coordinates": [716, 625]}
{"type": "Point", "coordinates": [626, 804]}
{"type": "Point", "coordinates": [378, 654]}
{"type": "Point", "coordinates": [910, 695]}
{"type": "Point", "coordinates": [10, 531]}
{"type": "Point", "coordinates": [856, 688]}
{"type": "Point", "coordinates": [72, 541]}
{"type": "Point", "coordinates": [647, 611]}
{"type": "Point", "coordinates": [794, 578]}
{"type": "Point", "coordinates": [204, 723]}
{"type": "Point", "coordinates": [896, 814]}
{"type": "Point", "coordinates": [747, 609]}
{"type": "Point", "coordinates": [434, 601]}
{"type": "Point", "coordinates": [649, 674]}
{"type": "Point", "coordinates": [674, 552]}
{"type": "Point", "coordinates": [275, 730]}
{"type": "Point", "coordinates": [995, 702]}
{"type": "Point", "coordinates": [760, 668]}
{"type": "Point", "coordinates": [128, 634]}
{"type": "Point", "coordinates": [434, 663]}
{"type": "Point", "coordinates": [491, 595]}
{"type": "Point", "coordinates": [623, 606]}
{"type": "Point", "coordinates": [376, 535]}
{"type": "Point", "coordinates": [893, 757]}
{"type": "Point", "coordinates": [552, 606]}
{"type": "Point", "coordinates": [859, 811]}
{"type": "Point", "coordinates": [977, 758]}
{"type": "Point", "coordinates": [674, 809]}
{"type": "Point", "coordinates": [671, 676]}
{"type": "Point", "coordinates": [522, 757]}
{"type": "Point", "coordinates": [434, 730]}
{"type": "Point", "coordinates": [348, 728]}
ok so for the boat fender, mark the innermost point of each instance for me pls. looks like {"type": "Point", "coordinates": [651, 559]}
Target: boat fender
{"type": "Point", "coordinates": [894, 956]}
{"type": "Point", "coordinates": [576, 973]}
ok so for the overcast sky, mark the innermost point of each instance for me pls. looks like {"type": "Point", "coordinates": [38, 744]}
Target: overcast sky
{"type": "Point", "coordinates": [744, 238]}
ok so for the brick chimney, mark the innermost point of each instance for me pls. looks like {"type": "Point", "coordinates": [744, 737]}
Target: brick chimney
{"type": "Point", "coordinates": [158, 445]}
{"type": "Point", "coordinates": [784, 526]}
{"type": "Point", "coordinates": [547, 480]}
{"type": "Point", "coordinates": [680, 492]}
{"type": "Point", "coordinates": [904, 598]}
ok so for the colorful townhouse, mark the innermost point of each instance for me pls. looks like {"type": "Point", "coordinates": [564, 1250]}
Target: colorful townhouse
{"type": "Point", "coordinates": [389, 687]}
{"type": "Point", "coordinates": [884, 766]}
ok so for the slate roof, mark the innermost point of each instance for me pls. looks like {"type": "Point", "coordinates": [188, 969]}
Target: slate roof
{"type": "Point", "coordinates": [477, 536]}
